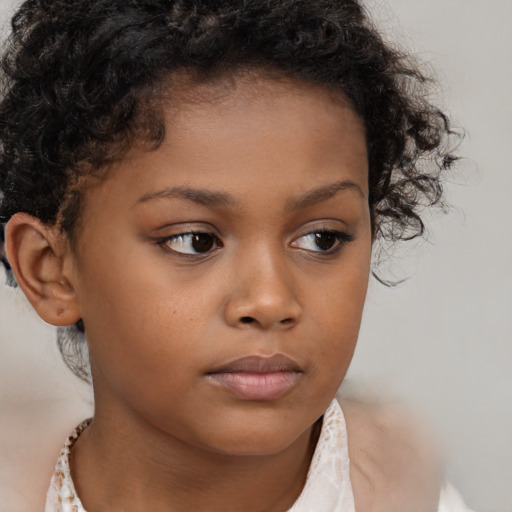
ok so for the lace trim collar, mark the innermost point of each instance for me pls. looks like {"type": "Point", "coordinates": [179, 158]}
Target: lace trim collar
{"type": "Point", "coordinates": [61, 496]}
{"type": "Point", "coordinates": [327, 487]}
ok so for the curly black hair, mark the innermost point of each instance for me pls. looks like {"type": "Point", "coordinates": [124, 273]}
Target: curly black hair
{"type": "Point", "coordinates": [80, 78]}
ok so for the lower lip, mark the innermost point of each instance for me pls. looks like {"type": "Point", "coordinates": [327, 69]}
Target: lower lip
{"type": "Point", "coordinates": [257, 386]}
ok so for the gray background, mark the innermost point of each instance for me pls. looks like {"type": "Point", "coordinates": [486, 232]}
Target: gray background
{"type": "Point", "coordinates": [442, 340]}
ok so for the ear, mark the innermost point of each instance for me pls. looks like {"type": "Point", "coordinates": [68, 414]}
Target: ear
{"type": "Point", "coordinates": [39, 256]}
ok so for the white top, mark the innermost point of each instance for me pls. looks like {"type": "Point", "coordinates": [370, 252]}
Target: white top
{"type": "Point", "coordinates": [327, 488]}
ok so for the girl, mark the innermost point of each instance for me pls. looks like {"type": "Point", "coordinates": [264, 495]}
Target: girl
{"type": "Point", "coordinates": [195, 188]}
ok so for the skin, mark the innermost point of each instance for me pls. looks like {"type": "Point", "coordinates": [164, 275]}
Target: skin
{"type": "Point", "coordinates": [291, 160]}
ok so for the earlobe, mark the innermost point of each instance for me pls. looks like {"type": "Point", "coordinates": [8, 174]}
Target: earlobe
{"type": "Point", "coordinates": [36, 253]}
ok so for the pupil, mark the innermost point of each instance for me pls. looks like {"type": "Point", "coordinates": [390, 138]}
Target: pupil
{"type": "Point", "coordinates": [202, 242]}
{"type": "Point", "coordinates": [325, 240]}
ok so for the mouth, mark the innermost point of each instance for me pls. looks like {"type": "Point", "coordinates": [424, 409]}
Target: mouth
{"type": "Point", "coordinates": [257, 378]}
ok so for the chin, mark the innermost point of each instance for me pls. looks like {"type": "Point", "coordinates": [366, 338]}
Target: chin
{"type": "Point", "coordinates": [257, 439]}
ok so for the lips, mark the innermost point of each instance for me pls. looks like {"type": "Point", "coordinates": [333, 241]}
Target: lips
{"type": "Point", "coordinates": [257, 378]}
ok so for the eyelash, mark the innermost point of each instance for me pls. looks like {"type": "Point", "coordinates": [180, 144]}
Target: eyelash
{"type": "Point", "coordinates": [164, 242]}
{"type": "Point", "coordinates": [341, 239]}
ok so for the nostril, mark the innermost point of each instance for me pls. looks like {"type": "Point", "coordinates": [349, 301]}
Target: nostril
{"type": "Point", "coordinates": [286, 321]}
{"type": "Point", "coordinates": [247, 320]}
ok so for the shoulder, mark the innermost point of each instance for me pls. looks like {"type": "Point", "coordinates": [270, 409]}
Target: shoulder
{"type": "Point", "coordinates": [393, 463]}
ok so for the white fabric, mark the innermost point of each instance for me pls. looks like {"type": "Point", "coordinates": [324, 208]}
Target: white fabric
{"type": "Point", "coordinates": [327, 488]}
{"type": "Point", "coordinates": [451, 500]}
{"type": "Point", "coordinates": [62, 496]}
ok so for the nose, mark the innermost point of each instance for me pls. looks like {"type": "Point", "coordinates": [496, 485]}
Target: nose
{"type": "Point", "coordinates": [263, 294]}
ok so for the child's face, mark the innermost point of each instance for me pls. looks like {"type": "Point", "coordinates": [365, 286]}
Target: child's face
{"type": "Point", "coordinates": [246, 234]}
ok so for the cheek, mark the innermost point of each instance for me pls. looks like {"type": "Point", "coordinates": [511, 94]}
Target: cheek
{"type": "Point", "coordinates": [341, 297]}
{"type": "Point", "coordinates": [337, 314]}
{"type": "Point", "coordinates": [146, 320]}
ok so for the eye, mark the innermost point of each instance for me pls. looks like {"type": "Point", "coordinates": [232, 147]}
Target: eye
{"type": "Point", "coordinates": [191, 243]}
{"type": "Point", "coordinates": [327, 241]}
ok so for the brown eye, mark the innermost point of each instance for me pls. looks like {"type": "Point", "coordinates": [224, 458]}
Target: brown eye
{"type": "Point", "coordinates": [202, 242]}
{"type": "Point", "coordinates": [325, 240]}
{"type": "Point", "coordinates": [322, 241]}
{"type": "Point", "coordinates": [191, 243]}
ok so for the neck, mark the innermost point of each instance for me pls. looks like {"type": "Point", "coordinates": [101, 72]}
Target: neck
{"type": "Point", "coordinates": [131, 466]}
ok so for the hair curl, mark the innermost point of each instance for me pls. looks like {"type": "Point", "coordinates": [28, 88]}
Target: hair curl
{"type": "Point", "coordinates": [79, 80]}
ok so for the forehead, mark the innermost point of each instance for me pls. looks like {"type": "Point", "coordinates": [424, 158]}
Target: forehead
{"type": "Point", "coordinates": [247, 91]}
{"type": "Point", "coordinates": [241, 109]}
{"type": "Point", "coordinates": [243, 132]}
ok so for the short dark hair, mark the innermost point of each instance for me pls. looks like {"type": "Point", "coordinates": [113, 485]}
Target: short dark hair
{"type": "Point", "coordinates": [79, 79]}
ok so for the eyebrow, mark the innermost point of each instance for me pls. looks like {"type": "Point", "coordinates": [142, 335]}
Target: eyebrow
{"type": "Point", "coordinates": [196, 195]}
{"type": "Point", "coordinates": [211, 198]}
{"type": "Point", "coordinates": [324, 193]}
